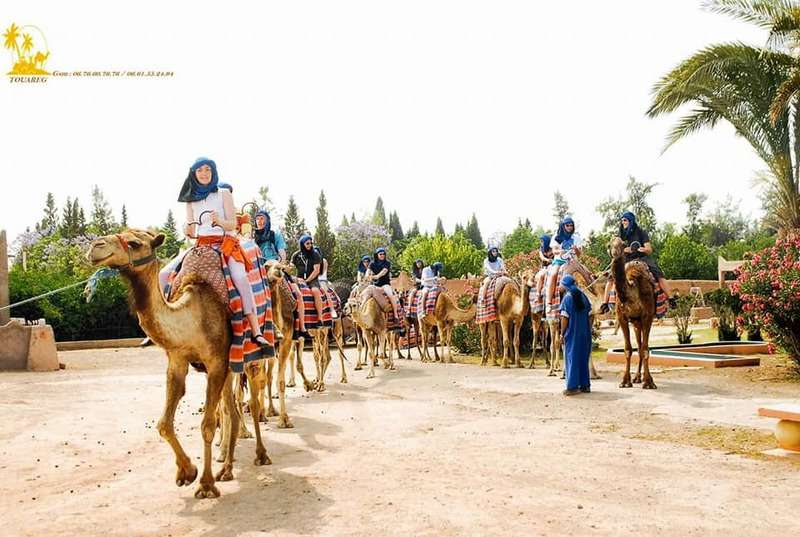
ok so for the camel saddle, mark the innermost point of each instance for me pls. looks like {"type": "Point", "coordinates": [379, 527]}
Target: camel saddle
{"type": "Point", "coordinates": [379, 295]}
{"type": "Point", "coordinates": [206, 263]}
{"type": "Point", "coordinates": [500, 284]}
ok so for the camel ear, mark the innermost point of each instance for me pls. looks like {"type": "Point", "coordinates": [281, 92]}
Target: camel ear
{"type": "Point", "coordinates": [158, 240]}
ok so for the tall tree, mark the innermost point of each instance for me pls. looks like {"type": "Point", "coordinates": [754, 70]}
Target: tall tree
{"type": "Point", "coordinates": [345, 221]}
{"type": "Point", "coordinates": [755, 90]}
{"type": "Point", "coordinates": [323, 236]}
{"type": "Point", "coordinates": [172, 244]}
{"type": "Point", "coordinates": [81, 227]}
{"type": "Point", "coordinates": [49, 223]}
{"type": "Point", "coordinates": [124, 221]}
{"type": "Point", "coordinates": [694, 206]}
{"type": "Point", "coordinates": [293, 225]}
{"type": "Point", "coordinates": [560, 206]}
{"type": "Point", "coordinates": [352, 218]}
{"type": "Point", "coordinates": [68, 220]}
{"type": "Point", "coordinates": [414, 231]}
{"type": "Point", "coordinates": [636, 201]}
{"type": "Point", "coordinates": [459, 228]}
{"type": "Point", "coordinates": [439, 227]}
{"type": "Point", "coordinates": [474, 232]}
{"type": "Point", "coordinates": [379, 215]}
{"type": "Point", "coordinates": [395, 227]}
{"type": "Point", "coordinates": [265, 200]}
{"type": "Point", "coordinates": [102, 218]}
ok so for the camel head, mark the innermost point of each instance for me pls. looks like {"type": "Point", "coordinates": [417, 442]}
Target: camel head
{"type": "Point", "coordinates": [528, 278]}
{"type": "Point", "coordinates": [132, 249]}
{"type": "Point", "coordinates": [276, 271]}
{"type": "Point", "coordinates": [616, 247]}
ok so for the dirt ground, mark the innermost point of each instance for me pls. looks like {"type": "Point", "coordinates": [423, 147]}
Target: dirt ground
{"type": "Point", "coordinates": [427, 450]}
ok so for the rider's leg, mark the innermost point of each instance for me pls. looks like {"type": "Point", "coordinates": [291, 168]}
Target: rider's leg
{"type": "Point", "coordinates": [301, 307]}
{"type": "Point", "coordinates": [317, 292]}
{"type": "Point", "coordinates": [242, 284]}
{"type": "Point", "coordinates": [392, 300]}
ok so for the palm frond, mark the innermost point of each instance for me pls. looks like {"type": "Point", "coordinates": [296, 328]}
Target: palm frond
{"type": "Point", "coordinates": [762, 13]}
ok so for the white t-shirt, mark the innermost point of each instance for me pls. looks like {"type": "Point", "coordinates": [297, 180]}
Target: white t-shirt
{"type": "Point", "coordinates": [493, 267]}
{"type": "Point", "coordinates": [428, 277]}
{"type": "Point", "coordinates": [213, 202]}
{"type": "Point", "coordinates": [566, 255]}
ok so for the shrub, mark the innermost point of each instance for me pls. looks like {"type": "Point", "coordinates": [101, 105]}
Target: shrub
{"type": "Point", "coordinates": [727, 307]}
{"type": "Point", "coordinates": [467, 339]}
{"type": "Point", "coordinates": [681, 315]}
{"type": "Point", "coordinates": [457, 253]}
{"type": "Point", "coordinates": [683, 258]}
{"type": "Point", "coordinates": [769, 288]}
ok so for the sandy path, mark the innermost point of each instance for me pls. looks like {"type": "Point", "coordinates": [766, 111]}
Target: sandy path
{"type": "Point", "coordinates": [426, 450]}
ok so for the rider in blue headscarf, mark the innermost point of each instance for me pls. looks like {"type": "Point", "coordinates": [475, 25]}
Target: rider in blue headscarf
{"type": "Point", "coordinates": [192, 190]}
{"type": "Point", "coordinates": [576, 331]}
{"type": "Point", "coordinates": [270, 241]}
{"type": "Point", "coordinates": [363, 266]}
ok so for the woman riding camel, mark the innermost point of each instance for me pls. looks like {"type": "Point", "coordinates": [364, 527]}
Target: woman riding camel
{"type": "Point", "coordinates": [637, 248]}
{"type": "Point", "coordinates": [545, 253]}
{"type": "Point", "coordinates": [416, 271]}
{"type": "Point", "coordinates": [363, 267]}
{"type": "Point", "coordinates": [323, 279]}
{"type": "Point", "coordinates": [431, 278]}
{"type": "Point", "coordinates": [380, 273]}
{"type": "Point", "coordinates": [270, 241]}
{"type": "Point", "coordinates": [493, 264]}
{"type": "Point", "coordinates": [217, 228]}
{"type": "Point", "coordinates": [309, 266]}
{"type": "Point", "coordinates": [567, 248]}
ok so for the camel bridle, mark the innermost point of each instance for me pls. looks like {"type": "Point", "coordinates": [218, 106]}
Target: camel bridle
{"type": "Point", "coordinates": [131, 262]}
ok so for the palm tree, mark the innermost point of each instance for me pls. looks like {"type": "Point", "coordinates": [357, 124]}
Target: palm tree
{"type": "Point", "coordinates": [11, 35]}
{"type": "Point", "coordinates": [741, 84]}
{"type": "Point", "coordinates": [27, 43]}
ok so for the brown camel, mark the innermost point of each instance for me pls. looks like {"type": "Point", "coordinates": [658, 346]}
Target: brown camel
{"type": "Point", "coordinates": [170, 325]}
{"type": "Point", "coordinates": [370, 321]}
{"type": "Point", "coordinates": [538, 325]}
{"type": "Point", "coordinates": [636, 303]}
{"type": "Point", "coordinates": [445, 315]}
{"type": "Point", "coordinates": [322, 354]}
{"type": "Point", "coordinates": [512, 307]}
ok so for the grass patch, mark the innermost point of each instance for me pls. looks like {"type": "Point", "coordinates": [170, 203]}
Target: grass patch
{"type": "Point", "coordinates": [744, 441]}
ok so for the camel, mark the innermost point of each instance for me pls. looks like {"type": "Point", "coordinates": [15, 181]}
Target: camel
{"type": "Point", "coordinates": [538, 324]}
{"type": "Point", "coordinates": [370, 321]}
{"type": "Point", "coordinates": [554, 326]}
{"type": "Point", "coordinates": [636, 304]}
{"type": "Point", "coordinates": [445, 315]}
{"type": "Point", "coordinates": [169, 325]}
{"type": "Point", "coordinates": [322, 354]}
{"type": "Point", "coordinates": [512, 307]}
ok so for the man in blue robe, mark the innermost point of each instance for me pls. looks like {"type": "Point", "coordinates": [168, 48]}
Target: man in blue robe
{"type": "Point", "coordinates": [576, 333]}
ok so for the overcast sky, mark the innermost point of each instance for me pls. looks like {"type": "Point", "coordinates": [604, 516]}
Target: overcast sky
{"type": "Point", "coordinates": [441, 107]}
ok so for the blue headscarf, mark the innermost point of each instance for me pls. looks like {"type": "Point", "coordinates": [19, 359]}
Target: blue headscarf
{"type": "Point", "coordinates": [226, 186]}
{"type": "Point", "coordinates": [265, 233]}
{"type": "Point", "coordinates": [418, 270]}
{"type": "Point", "coordinates": [545, 243]}
{"type": "Point", "coordinates": [568, 282]}
{"type": "Point", "coordinates": [380, 250]}
{"type": "Point", "coordinates": [563, 234]}
{"type": "Point", "coordinates": [192, 190]}
{"type": "Point", "coordinates": [361, 268]}
{"type": "Point", "coordinates": [630, 217]}
{"type": "Point", "coordinates": [493, 258]}
{"type": "Point", "coordinates": [302, 240]}
{"type": "Point", "coordinates": [437, 267]}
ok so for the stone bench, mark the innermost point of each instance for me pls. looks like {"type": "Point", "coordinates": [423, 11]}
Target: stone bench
{"type": "Point", "coordinates": [27, 348]}
{"type": "Point", "coordinates": [787, 431]}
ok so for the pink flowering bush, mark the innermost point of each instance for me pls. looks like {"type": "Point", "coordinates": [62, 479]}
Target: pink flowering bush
{"type": "Point", "coordinates": [769, 287]}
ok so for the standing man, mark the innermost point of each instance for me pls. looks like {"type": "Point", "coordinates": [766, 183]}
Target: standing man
{"type": "Point", "coordinates": [576, 333]}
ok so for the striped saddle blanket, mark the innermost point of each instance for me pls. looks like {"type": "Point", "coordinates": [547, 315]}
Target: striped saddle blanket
{"type": "Point", "coordinates": [487, 298]}
{"type": "Point", "coordinates": [430, 301]}
{"type": "Point", "coordinates": [312, 320]}
{"type": "Point", "coordinates": [536, 294]}
{"type": "Point", "coordinates": [243, 349]}
{"type": "Point", "coordinates": [410, 303]}
{"type": "Point", "coordinates": [335, 301]}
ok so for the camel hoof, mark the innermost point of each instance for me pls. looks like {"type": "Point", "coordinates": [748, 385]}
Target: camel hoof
{"type": "Point", "coordinates": [357, 368]}
{"type": "Point", "coordinates": [551, 374]}
{"type": "Point", "coordinates": [649, 385]}
{"type": "Point", "coordinates": [596, 377]}
{"type": "Point", "coordinates": [206, 492]}
{"type": "Point", "coordinates": [637, 379]}
{"type": "Point", "coordinates": [321, 387]}
{"type": "Point", "coordinates": [343, 380]}
{"type": "Point", "coordinates": [271, 412]}
{"type": "Point", "coordinates": [495, 364]}
{"type": "Point", "coordinates": [291, 384]}
{"type": "Point", "coordinates": [308, 386]}
{"type": "Point", "coordinates": [625, 384]}
{"type": "Point", "coordinates": [392, 368]}
{"type": "Point", "coordinates": [370, 375]}
{"type": "Point", "coordinates": [505, 366]}
{"type": "Point", "coordinates": [262, 459]}
{"type": "Point", "coordinates": [185, 477]}
{"type": "Point", "coordinates": [222, 456]}
{"type": "Point", "coordinates": [226, 474]}
{"type": "Point", "coordinates": [285, 423]}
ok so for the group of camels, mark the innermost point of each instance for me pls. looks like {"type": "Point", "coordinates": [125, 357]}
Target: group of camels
{"type": "Point", "coordinates": [195, 303]}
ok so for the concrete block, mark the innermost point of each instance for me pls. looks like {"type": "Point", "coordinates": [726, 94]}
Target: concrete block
{"type": "Point", "coordinates": [31, 348]}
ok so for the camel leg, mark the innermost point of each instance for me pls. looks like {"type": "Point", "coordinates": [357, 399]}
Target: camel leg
{"type": "Point", "coordinates": [504, 328]}
{"type": "Point", "coordinates": [425, 334]}
{"type": "Point", "coordinates": [417, 337]}
{"type": "Point", "coordinates": [238, 397]}
{"type": "Point", "coordinates": [338, 335]}
{"type": "Point", "coordinates": [637, 330]}
{"type": "Point", "coordinates": [324, 359]}
{"type": "Point", "coordinates": [268, 401]}
{"type": "Point", "coordinates": [442, 336]}
{"type": "Point", "coordinates": [290, 358]}
{"type": "Point", "coordinates": [176, 387]}
{"type": "Point", "coordinates": [230, 429]}
{"type": "Point", "coordinates": [449, 329]}
{"type": "Point", "coordinates": [216, 379]}
{"type": "Point", "coordinates": [256, 384]}
{"type": "Point", "coordinates": [372, 349]}
{"type": "Point", "coordinates": [284, 352]}
{"type": "Point", "coordinates": [298, 350]}
{"type": "Point", "coordinates": [554, 344]}
{"type": "Point", "coordinates": [626, 334]}
{"type": "Point", "coordinates": [535, 327]}
{"type": "Point", "coordinates": [517, 329]}
{"type": "Point", "coordinates": [644, 350]}
{"type": "Point", "coordinates": [484, 343]}
{"type": "Point", "coordinates": [394, 344]}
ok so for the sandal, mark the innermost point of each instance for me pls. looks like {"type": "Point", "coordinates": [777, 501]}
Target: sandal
{"type": "Point", "coordinates": [259, 339]}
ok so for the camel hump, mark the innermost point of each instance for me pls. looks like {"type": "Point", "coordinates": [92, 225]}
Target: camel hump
{"type": "Point", "coordinates": [502, 281]}
{"type": "Point", "coordinates": [638, 271]}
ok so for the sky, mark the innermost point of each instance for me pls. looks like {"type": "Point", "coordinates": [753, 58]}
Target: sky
{"type": "Point", "coordinates": [443, 108]}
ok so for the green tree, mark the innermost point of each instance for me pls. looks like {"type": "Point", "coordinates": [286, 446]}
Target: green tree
{"type": "Point", "coordinates": [521, 240]}
{"type": "Point", "coordinates": [68, 221]}
{"type": "Point", "coordinates": [265, 200]}
{"type": "Point", "coordinates": [293, 226]}
{"type": "Point", "coordinates": [395, 227]}
{"type": "Point", "coordinates": [725, 224]}
{"type": "Point", "coordinates": [379, 215]}
{"type": "Point", "coordinates": [49, 223]}
{"type": "Point", "coordinates": [323, 235]}
{"type": "Point", "coordinates": [682, 258]}
{"type": "Point", "coordinates": [124, 221]}
{"type": "Point", "coordinates": [560, 206]}
{"type": "Point", "coordinates": [457, 253]}
{"type": "Point", "coordinates": [353, 241]}
{"type": "Point", "coordinates": [81, 227]}
{"type": "Point", "coordinates": [171, 245]}
{"type": "Point", "coordinates": [345, 221]}
{"type": "Point", "coordinates": [694, 206]}
{"type": "Point", "coordinates": [636, 201]}
{"type": "Point", "coordinates": [439, 227]}
{"type": "Point", "coordinates": [414, 231]}
{"type": "Point", "coordinates": [459, 229]}
{"type": "Point", "coordinates": [755, 90]}
{"type": "Point", "coordinates": [102, 218]}
{"type": "Point", "coordinates": [474, 232]}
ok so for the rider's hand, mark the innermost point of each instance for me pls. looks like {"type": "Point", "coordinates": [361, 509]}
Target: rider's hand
{"type": "Point", "coordinates": [628, 250]}
{"type": "Point", "coordinates": [214, 218]}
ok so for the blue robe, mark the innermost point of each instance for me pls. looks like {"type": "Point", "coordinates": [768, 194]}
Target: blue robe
{"type": "Point", "coordinates": [577, 342]}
